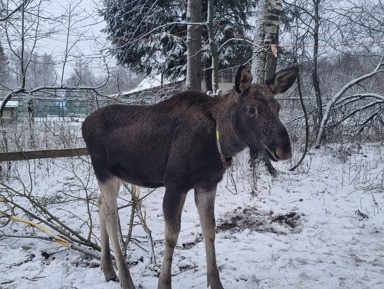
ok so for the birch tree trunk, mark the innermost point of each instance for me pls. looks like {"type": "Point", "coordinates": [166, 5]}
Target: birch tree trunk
{"type": "Point", "coordinates": [193, 81]}
{"type": "Point", "coordinates": [266, 33]}
{"type": "Point", "coordinates": [264, 61]}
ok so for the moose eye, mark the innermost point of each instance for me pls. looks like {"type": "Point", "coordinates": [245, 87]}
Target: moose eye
{"type": "Point", "coordinates": [252, 111]}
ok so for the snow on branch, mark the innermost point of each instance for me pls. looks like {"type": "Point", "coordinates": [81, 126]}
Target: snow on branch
{"type": "Point", "coordinates": [363, 96]}
{"type": "Point", "coordinates": [358, 110]}
{"type": "Point", "coordinates": [9, 15]}
{"type": "Point", "coordinates": [12, 93]}
{"type": "Point", "coordinates": [379, 68]}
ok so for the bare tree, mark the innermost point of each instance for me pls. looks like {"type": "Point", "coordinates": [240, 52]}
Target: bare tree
{"type": "Point", "coordinates": [361, 22]}
{"type": "Point", "coordinates": [28, 27]}
{"type": "Point", "coordinates": [42, 71]}
{"type": "Point", "coordinates": [324, 32]}
{"type": "Point", "coordinates": [121, 79]}
{"type": "Point", "coordinates": [71, 24]}
{"type": "Point", "coordinates": [312, 22]}
{"type": "Point", "coordinates": [339, 95]}
{"type": "Point", "coordinates": [7, 11]}
{"type": "Point", "coordinates": [22, 36]}
{"type": "Point", "coordinates": [82, 75]}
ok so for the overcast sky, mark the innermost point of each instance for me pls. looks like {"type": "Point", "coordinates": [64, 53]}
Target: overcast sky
{"type": "Point", "coordinates": [85, 36]}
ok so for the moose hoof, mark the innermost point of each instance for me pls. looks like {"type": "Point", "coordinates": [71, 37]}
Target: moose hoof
{"type": "Point", "coordinates": [114, 279]}
{"type": "Point", "coordinates": [214, 283]}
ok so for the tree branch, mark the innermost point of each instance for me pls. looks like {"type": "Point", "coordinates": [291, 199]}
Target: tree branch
{"type": "Point", "coordinates": [339, 94]}
{"type": "Point", "coordinates": [23, 90]}
{"type": "Point", "coordinates": [14, 11]}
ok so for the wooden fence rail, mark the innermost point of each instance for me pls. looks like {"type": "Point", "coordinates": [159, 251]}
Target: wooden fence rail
{"type": "Point", "coordinates": [43, 154]}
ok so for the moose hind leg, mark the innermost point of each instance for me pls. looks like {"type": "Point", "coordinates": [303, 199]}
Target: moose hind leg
{"type": "Point", "coordinates": [205, 202]}
{"type": "Point", "coordinates": [173, 204]}
{"type": "Point", "coordinates": [109, 231]}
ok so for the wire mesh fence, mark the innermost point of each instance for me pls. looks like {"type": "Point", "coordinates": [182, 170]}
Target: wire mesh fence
{"type": "Point", "coordinates": [56, 104]}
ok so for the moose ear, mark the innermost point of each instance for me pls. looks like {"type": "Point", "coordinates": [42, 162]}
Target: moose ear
{"type": "Point", "coordinates": [282, 80]}
{"type": "Point", "coordinates": [243, 78]}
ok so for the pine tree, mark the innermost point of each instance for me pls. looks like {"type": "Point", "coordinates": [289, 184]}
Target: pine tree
{"type": "Point", "coordinates": [138, 39]}
{"type": "Point", "coordinates": [150, 37]}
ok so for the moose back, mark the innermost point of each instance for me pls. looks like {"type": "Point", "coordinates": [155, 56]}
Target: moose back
{"type": "Point", "coordinates": [182, 143]}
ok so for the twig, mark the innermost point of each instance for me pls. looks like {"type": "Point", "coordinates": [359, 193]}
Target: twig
{"type": "Point", "coordinates": [306, 124]}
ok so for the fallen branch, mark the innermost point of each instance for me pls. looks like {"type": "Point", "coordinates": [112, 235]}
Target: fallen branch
{"type": "Point", "coordinates": [55, 238]}
{"type": "Point", "coordinates": [339, 94]}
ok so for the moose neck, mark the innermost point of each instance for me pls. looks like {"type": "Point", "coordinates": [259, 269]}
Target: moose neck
{"type": "Point", "coordinates": [225, 112]}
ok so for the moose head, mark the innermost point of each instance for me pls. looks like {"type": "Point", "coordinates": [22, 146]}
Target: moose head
{"type": "Point", "coordinates": [255, 113]}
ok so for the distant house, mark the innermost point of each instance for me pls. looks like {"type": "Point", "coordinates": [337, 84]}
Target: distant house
{"type": "Point", "coordinates": [155, 88]}
{"type": "Point", "coordinates": [48, 104]}
{"type": "Point", "coordinates": [10, 110]}
{"type": "Point", "coordinates": [227, 78]}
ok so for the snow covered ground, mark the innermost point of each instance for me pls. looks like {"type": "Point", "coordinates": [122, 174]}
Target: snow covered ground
{"type": "Point", "coordinates": [321, 226]}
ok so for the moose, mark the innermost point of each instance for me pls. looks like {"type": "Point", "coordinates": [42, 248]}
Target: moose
{"type": "Point", "coordinates": [182, 143]}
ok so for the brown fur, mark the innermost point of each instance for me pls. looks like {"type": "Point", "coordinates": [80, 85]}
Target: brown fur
{"type": "Point", "coordinates": [173, 144]}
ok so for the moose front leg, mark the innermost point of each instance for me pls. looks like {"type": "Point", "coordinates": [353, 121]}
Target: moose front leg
{"type": "Point", "coordinates": [109, 231]}
{"type": "Point", "coordinates": [106, 259]}
{"type": "Point", "coordinates": [173, 204]}
{"type": "Point", "coordinates": [205, 202]}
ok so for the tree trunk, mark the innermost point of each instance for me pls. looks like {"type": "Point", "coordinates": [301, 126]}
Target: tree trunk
{"type": "Point", "coordinates": [266, 33]}
{"type": "Point", "coordinates": [315, 77]}
{"type": "Point", "coordinates": [208, 77]}
{"type": "Point", "coordinates": [193, 81]}
{"type": "Point", "coordinates": [264, 61]}
{"type": "Point", "coordinates": [212, 45]}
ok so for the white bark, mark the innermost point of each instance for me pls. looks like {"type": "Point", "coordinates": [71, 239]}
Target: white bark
{"type": "Point", "coordinates": [266, 33]}
{"type": "Point", "coordinates": [258, 37]}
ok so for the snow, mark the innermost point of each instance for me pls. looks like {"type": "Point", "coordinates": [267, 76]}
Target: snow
{"type": "Point", "coordinates": [333, 241]}
{"type": "Point", "coordinates": [11, 103]}
{"type": "Point", "coordinates": [151, 82]}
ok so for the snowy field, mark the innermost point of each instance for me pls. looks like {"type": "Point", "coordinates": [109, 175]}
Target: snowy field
{"type": "Point", "coordinates": [321, 226]}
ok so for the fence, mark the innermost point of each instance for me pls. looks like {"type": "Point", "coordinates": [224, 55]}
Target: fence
{"type": "Point", "coordinates": [60, 104]}
{"type": "Point", "coordinates": [42, 154]}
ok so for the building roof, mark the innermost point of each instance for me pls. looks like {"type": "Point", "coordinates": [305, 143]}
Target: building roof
{"type": "Point", "coordinates": [151, 82]}
{"type": "Point", "coordinates": [11, 103]}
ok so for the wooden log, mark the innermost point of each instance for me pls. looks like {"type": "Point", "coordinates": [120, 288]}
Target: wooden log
{"type": "Point", "coordinates": [43, 154]}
